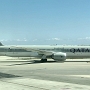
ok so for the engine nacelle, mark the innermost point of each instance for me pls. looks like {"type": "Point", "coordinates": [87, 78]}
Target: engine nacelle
{"type": "Point", "coordinates": [59, 56]}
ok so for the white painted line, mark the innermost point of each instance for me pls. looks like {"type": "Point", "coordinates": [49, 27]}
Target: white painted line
{"type": "Point", "coordinates": [86, 76]}
{"type": "Point", "coordinates": [36, 84]}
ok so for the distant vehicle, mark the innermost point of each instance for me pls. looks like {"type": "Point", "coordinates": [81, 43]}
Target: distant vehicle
{"type": "Point", "coordinates": [56, 52]}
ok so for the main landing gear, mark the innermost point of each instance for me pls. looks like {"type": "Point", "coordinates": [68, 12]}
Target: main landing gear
{"type": "Point", "coordinates": [43, 60]}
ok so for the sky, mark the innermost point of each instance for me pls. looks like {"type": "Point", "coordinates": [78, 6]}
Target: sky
{"type": "Point", "coordinates": [45, 22]}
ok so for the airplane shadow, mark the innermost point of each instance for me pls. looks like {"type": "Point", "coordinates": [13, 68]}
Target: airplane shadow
{"type": "Point", "coordinates": [32, 62]}
{"type": "Point", "coordinates": [39, 62]}
{"type": "Point", "coordinates": [5, 75]}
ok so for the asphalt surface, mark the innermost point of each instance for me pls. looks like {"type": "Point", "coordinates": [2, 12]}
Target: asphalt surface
{"type": "Point", "coordinates": [26, 74]}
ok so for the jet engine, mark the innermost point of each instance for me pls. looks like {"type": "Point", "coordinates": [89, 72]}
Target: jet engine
{"type": "Point", "coordinates": [59, 56]}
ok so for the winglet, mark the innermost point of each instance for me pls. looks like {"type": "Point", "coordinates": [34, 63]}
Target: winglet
{"type": "Point", "coordinates": [1, 44]}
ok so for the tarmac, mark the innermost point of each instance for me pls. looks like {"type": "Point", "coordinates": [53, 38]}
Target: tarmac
{"type": "Point", "coordinates": [30, 74]}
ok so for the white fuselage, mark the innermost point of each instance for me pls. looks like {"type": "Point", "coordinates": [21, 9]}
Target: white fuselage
{"type": "Point", "coordinates": [24, 51]}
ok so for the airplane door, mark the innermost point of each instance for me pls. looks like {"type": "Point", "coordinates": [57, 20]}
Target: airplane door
{"type": "Point", "coordinates": [12, 52]}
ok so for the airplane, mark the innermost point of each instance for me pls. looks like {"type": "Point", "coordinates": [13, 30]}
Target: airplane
{"type": "Point", "coordinates": [1, 44]}
{"type": "Point", "coordinates": [44, 52]}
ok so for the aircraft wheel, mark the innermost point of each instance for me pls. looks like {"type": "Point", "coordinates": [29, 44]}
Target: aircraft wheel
{"type": "Point", "coordinates": [43, 60]}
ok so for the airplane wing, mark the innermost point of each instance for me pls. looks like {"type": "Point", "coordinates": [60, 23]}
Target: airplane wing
{"type": "Point", "coordinates": [59, 56]}
{"type": "Point", "coordinates": [40, 52]}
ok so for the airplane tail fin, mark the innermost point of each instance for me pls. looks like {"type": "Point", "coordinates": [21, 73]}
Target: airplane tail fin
{"type": "Point", "coordinates": [1, 44]}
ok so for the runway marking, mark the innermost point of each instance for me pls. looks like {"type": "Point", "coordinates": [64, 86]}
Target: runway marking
{"type": "Point", "coordinates": [37, 84]}
{"type": "Point", "coordinates": [86, 76]}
